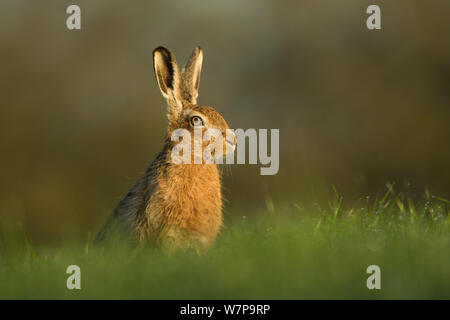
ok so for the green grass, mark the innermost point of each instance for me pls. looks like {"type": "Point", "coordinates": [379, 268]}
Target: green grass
{"type": "Point", "coordinates": [293, 253]}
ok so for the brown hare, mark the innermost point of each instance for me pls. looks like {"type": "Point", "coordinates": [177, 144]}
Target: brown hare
{"type": "Point", "coordinates": [175, 206]}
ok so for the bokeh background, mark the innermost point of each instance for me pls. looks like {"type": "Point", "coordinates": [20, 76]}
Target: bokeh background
{"type": "Point", "coordinates": [81, 115]}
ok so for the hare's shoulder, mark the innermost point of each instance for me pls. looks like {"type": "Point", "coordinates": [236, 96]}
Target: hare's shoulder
{"type": "Point", "coordinates": [131, 206]}
{"type": "Point", "coordinates": [135, 200]}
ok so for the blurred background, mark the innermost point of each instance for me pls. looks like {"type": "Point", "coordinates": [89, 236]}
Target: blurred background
{"type": "Point", "coordinates": [81, 115]}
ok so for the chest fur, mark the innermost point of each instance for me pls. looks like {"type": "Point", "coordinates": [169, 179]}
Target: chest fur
{"type": "Point", "coordinates": [186, 204]}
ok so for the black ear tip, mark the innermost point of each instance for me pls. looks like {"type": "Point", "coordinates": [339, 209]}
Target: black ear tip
{"type": "Point", "coordinates": [161, 50]}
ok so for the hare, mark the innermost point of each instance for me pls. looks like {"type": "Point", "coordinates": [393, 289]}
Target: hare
{"type": "Point", "coordinates": [175, 206]}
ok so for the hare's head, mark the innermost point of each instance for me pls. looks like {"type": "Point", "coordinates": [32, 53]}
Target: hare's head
{"type": "Point", "coordinates": [181, 91]}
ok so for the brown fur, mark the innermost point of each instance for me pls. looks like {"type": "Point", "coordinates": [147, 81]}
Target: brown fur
{"type": "Point", "coordinates": [174, 206]}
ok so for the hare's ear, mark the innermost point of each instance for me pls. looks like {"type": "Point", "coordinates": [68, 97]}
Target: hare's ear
{"type": "Point", "coordinates": [190, 76]}
{"type": "Point", "coordinates": [168, 77]}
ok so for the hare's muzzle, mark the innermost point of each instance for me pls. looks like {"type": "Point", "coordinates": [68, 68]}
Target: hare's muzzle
{"type": "Point", "coordinates": [231, 142]}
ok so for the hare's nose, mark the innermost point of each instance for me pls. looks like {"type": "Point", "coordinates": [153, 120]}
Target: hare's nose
{"type": "Point", "coordinates": [231, 138]}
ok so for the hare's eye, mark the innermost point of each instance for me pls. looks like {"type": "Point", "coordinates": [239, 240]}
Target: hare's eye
{"type": "Point", "coordinates": [196, 121]}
